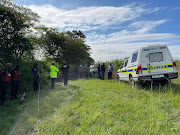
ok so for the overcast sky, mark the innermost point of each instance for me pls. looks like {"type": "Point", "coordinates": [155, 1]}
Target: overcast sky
{"type": "Point", "coordinates": [114, 28]}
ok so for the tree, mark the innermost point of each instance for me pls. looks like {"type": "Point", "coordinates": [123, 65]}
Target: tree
{"type": "Point", "coordinates": [68, 46]}
{"type": "Point", "coordinates": [15, 24]}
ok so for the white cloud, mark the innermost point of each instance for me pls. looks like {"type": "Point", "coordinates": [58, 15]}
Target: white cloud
{"type": "Point", "coordinates": [146, 26]}
{"type": "Point", "coordinates": [125, 24]}
{"type": "Point", "coordinates": [87, 18]}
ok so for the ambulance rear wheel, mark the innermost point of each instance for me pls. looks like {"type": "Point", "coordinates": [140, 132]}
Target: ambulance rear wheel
{"type": "Point", "coordinates": [119, 81]}
{"type": "Point", "coordinates": [132, 82]}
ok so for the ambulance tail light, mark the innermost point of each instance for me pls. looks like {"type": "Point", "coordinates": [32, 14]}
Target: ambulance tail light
{"type": "Point", "coordinates": [139, 70]}
{"type": "Point", "coordinates": [174, 65]}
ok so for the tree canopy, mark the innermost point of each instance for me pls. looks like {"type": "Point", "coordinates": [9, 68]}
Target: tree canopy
{"type": "Point", "coordinates": [15, 24]}
{"type": "Point", "coordinates": [64, 46]}
{"type": "Point", "coordinates": [17, 40]}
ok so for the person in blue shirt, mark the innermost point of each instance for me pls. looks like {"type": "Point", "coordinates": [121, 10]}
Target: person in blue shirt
{"type": "Point", "coordinates": [110, 69]}
{"type": "Point", "coordinates": [35, 73]}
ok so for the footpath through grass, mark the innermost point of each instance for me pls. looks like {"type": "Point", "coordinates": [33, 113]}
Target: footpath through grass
{"type": "Point", "coordinates": [100, 107]}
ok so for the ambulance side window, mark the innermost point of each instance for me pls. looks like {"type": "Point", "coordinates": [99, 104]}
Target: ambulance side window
{"type": "Point", "coordinates": [134, 57]}
{"type": "Point", "coordinates": [125, 64]}
{"type": "Point", "coordinates": [122, 65]}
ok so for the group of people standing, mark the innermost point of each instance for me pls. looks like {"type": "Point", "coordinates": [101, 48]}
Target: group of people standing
{"type": "Point", "coordinates": [54, 73]}
{"type": "Point", "coordinates": [13, 77]}
{"type": "Point", "coordinates": [80, 72]}
{"type": "Point", "coordinates": [6, 77]}
{"type": "Point", "coordinates": [101, 69]}
{"type": "Point", "coordinates": [85, 71]}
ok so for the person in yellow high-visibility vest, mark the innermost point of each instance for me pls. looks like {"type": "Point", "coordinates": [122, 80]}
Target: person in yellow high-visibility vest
{"type": "Point", "coordinates": [53, 74]}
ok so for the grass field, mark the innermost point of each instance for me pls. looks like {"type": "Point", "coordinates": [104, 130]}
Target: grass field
{"type": "Point", "coordinates": [93, 107]}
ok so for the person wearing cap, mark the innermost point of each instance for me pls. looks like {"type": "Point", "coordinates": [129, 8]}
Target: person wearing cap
{"type": "Point", "coordinates": [103, 69]}
{"type": "Point", "coordinates": [35, 73]}
{"type": "Point", "coordinates": [65, 70]}
{"type": "Point", "coordinates": [15, 77]}
{"type": "Point", "coordinates": [5, 78]}
{"type": "Point", "coordinates": [53, 74]}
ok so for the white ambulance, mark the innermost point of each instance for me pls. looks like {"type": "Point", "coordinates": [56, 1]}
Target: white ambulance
{"type": "Point", "coordinates": [149, 63]}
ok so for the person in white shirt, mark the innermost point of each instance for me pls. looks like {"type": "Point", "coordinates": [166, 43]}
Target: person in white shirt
{"type": "Point", "coordinates": [91, 68]}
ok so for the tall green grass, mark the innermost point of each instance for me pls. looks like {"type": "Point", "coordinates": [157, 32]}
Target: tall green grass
{"type": "Point", "coordinates": [101, 107]}
{"type": "Point", "coordinates": [94, 107]}
{"type": "Point", "coordinates": [106, 107]}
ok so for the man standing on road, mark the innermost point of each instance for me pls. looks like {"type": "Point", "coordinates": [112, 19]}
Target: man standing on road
{"type": "Point", "coordinates": [103, 68]}
{"type": "Point", "coordinates": [35, 73]}
{"type": "Point", "coordinates": [53, 74]}
{"type": "Point", "coordinates": [65, 70]}
{"type": "Point", "coordinates": [15, 77]}
{"type": "Point", "coordinates": [110, 69]}
{"type": "Point", "coordinates": [5, 78]}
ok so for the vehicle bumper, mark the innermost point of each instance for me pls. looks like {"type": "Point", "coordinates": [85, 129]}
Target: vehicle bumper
{"type": "Point", "coordinates": [166, 76]}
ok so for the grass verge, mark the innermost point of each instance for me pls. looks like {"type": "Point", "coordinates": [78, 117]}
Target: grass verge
{"type": "Point", "coordinates": [95, 107]}
{"type": "Point", "coordinates": [106, 107]}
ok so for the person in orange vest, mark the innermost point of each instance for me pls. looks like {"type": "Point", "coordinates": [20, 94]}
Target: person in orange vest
{"type": "Point", "coordinates": [53, 74]}
{"type": "Point", "coordinates": [5, 78]}
{"type": "Point", "coordinates": [15, 77]}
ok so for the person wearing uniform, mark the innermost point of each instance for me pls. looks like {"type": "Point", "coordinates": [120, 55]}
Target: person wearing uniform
{"type": "Point", "coordinates": [65, 70]}
{"type": "Point", "coordinates": [53, 74]}
{"type": "Point", "coordinates": [35, 73]}
{"type": "Point", "coordinates": [5, 78]}
{"type": "Point", "coordinates": [15, 77]}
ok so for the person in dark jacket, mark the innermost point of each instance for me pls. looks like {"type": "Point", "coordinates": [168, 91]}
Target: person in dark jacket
{"type": "Point", "coordinates": [103, 69]}
{"type": "Point", "coordinates": [5, 78]}
{"type": "Point", "coordinates": [15, 77]}
{"type": "Point", "coordinates": [65, 70]}
{"type": "Point", "coordinates": [35, 73]}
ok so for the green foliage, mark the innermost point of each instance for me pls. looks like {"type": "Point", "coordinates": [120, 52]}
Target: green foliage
{"type": "Point", "coordinates": [15, 23]}
{"type": "Point", "coordinates": [68, 46]}
{"type": "Point", "coordinates": [97, 107]}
